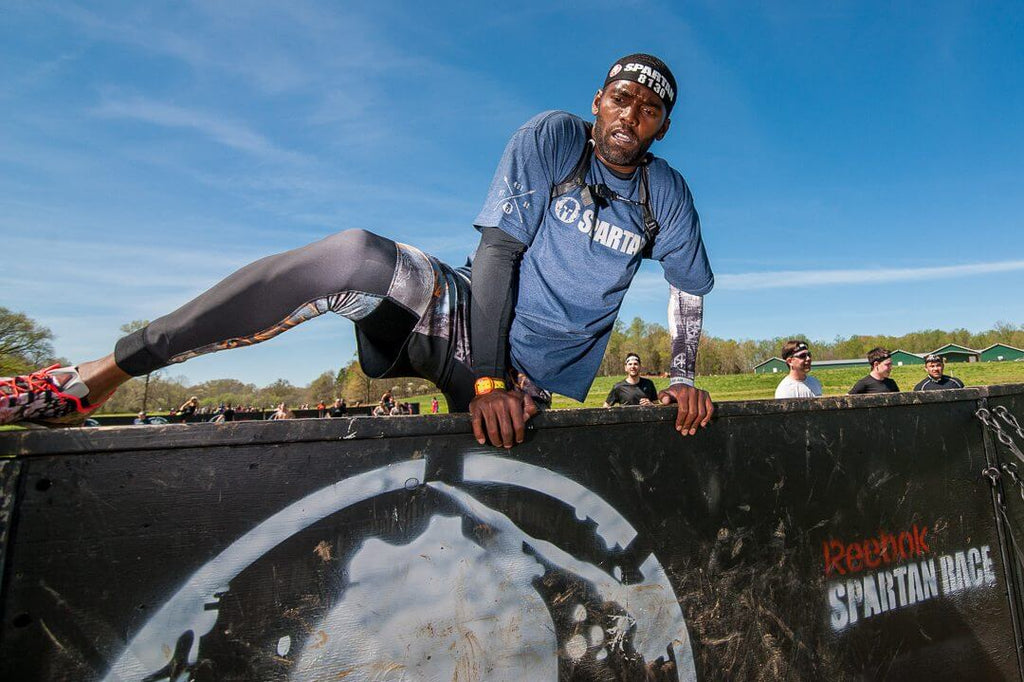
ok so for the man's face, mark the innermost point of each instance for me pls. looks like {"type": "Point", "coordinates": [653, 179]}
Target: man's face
{"type": "Point", "coordinates": [800, 361]}
{"type": "Point", "coordinates": [934, 369]}
{"type": "Point", "coordinates": [630, 117]}
{"type": "Point", "coordinates": [884, 368]}
{"type": "Point", "coordinates": [633, 367]}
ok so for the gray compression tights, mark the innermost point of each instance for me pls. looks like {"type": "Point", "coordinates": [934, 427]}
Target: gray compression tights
{"type": "Point", "coordinates": [347, 273]}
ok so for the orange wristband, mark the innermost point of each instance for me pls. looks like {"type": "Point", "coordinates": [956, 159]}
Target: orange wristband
{"type": "Point", "coordinates": [485, 385]}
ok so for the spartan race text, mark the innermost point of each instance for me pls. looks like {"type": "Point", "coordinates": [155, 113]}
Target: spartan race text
{"type": "Point", "coordinates": [912, 578]}
{"type": "Point", "coordinates": [570, 212]}
{"type": "Point", "coordinates": [653, 79]}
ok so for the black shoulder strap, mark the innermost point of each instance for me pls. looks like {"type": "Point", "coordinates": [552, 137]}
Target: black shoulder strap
{"type": "Point", "coordinates": [651, 226]}
{"type": "Point", "coordinates": [578, 178]}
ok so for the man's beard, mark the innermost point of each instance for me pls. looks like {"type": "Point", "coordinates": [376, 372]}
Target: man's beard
{"type": "Point", "coordinates": [614, 154]}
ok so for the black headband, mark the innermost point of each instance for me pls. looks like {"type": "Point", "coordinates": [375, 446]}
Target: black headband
{"type": "Point", "coordinates": [798, 348]}
{"type": "Point", "coordinates": [648, 71]}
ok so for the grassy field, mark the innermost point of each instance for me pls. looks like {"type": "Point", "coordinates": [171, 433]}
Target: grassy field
{"type": "Point", "coordinates": [760, 386]}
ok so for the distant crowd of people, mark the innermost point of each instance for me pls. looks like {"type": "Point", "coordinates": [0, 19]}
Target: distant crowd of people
{"type": "Point", "coordinates": [387, 406]}
{"type": "Point", "coordinates": [225, 412]}
{"type": "Point", "coordinates": [800, 384]}
{"type": "Point", "coordinates": [634, 389]}
{"type": "Point", "coordinates": [191, 408]}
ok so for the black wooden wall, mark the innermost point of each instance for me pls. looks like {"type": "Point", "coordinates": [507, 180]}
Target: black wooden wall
{"type": "Point", "coordinates": [834, 539]}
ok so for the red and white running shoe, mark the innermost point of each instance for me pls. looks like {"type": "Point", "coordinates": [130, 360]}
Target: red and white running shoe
{"type": "Point", "coordinates": [54, 396]}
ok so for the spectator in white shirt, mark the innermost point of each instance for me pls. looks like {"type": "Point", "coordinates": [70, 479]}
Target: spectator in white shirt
{"type": "Point", "coordinates": [798, 383]}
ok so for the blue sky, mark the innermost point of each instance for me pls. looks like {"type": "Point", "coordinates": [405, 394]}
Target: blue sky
{"type": "Point", "coordinates": [858, 166]}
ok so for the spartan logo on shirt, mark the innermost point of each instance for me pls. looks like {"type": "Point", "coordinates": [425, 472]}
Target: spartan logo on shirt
{"type": "Point", "coordinates": [611, 236]}
{"type": "Point", "coordinates": [567, 209]}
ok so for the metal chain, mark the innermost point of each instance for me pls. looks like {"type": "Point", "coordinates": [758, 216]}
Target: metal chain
{"type": "Point", "coordinates": [992, 474]}
{"type": "Point", "coordinates": [1007, 417]}
{"type": "Point", "coordinates": [985, 417]}
{"type": "Point", "coordinates": [1013, 538]}
{"type": "Point", "coordinates": [1010, 469]}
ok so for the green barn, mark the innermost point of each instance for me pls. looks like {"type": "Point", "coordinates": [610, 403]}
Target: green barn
{"type": "Point", "coordinates": [899, 358]}
{"type": "Point", "coordinates": [839, 364]}
{"type": "Point", "coordinates": [902, 357]}
{"type": "Point", "coordinates": [999, 352]}
{"type": "Point", "coordinates": [952, 352]}
{"type": "Point", "coordinates": [771, 366]}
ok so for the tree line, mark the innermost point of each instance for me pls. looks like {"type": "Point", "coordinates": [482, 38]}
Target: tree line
{"type": "Point", "coordinates": [25, 345]}
{"type": "Point", "coordinates": [167, 392]}
{"type": "Point", "coordinates": [729, 356]}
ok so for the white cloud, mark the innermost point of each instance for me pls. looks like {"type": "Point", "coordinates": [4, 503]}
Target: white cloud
{"type": "Point", "coordinates": [804, 278]}
{"type": "Point", "coordinates": [226, 47]}
{"type": "Point", "coordinates": [231, 134]}
{"type": "Point", "coordinates": [650, 284]}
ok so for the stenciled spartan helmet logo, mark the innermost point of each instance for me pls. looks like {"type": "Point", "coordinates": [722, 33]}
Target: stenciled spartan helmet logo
{"type": "Point", "coordinates": [410, 579]}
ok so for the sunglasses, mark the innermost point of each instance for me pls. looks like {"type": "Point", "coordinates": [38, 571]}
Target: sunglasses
{"type": "Point", "coordinates": [802, 354]}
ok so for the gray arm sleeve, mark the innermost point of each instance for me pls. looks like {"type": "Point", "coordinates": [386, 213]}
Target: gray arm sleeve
{"type": "Point", "coordinates": [685, 321]}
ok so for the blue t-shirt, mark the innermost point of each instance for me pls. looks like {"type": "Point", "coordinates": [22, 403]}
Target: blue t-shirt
{"type": "Point", "coordinates": [580, 259]}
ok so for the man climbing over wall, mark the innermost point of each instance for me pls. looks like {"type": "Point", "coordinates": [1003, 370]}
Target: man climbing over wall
{"type": "Point", "coordinates": [572, 210]}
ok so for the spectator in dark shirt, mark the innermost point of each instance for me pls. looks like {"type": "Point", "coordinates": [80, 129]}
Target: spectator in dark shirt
{"type": "Point", "coordinates": [877, 381]}
{"type": "Point", "coordinates": [634, 389]}
{"type": "Point", "coordinates": [188, 408]}
{"type": "Point", "coordinates": [936, 380]}
{"type": "Point", "coordinates": [338, 409]}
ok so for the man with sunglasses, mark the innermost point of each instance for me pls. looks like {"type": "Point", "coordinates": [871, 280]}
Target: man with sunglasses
{"type": "Point", "coordinates": [798, 383]}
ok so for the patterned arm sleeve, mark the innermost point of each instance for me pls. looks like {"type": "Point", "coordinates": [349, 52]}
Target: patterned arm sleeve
{"type": "Point", "coordinates": [685, 321]}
